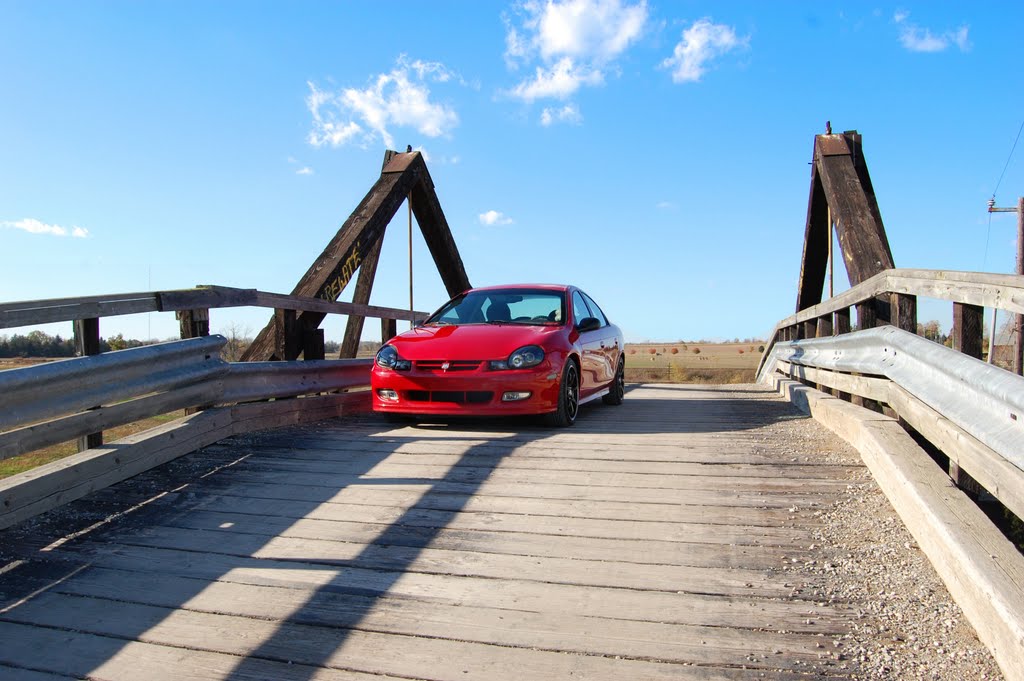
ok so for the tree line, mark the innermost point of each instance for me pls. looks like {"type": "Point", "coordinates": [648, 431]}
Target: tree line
{"type": "Point", "coordinates": [41, 344]}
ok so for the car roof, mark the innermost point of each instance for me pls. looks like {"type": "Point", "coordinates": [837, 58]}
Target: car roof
{"type": "Point", "coordinates": [505, 287]}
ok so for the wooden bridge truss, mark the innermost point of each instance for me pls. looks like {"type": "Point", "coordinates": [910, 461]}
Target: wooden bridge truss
{"type": "Point", "coordinates": [356, 248]}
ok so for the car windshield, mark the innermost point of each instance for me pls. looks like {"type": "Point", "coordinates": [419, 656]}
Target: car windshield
{"type": "Point", "coordinates": [503, 306]}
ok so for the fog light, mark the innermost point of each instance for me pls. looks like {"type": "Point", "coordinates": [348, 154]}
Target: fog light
{"type": "Point", "coordinates": [387, 395]}
{"type": "Point", "coordinates": [515, 396]}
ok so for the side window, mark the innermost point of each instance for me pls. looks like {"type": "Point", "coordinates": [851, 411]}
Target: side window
{"type": "Point", "coordinates": [579, 308]}
{"type": "Point", "coordinates": [595, 311]}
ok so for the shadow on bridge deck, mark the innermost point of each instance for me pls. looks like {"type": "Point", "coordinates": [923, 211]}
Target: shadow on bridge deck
{"type": "Point", "coordinates": [648, 541]}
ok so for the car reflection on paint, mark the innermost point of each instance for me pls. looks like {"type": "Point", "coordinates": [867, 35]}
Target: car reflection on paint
{"type": "Point", "coordinates": [504, 350]}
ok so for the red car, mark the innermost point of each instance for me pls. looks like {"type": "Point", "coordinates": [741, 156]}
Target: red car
{"type": "Point", "coordinates": [504, 350]}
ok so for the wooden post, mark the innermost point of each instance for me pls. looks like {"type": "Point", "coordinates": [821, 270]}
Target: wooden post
{"type": "Point", "coordinates": [963, 480]}
{"type": "Point", "coordinates": [810, 328]}
{"type": "Point", "coordinates": [904, 311]}
{"type": "Point", "coordinates": [967, 329]}
{"type": "Point", "coordinates": [842, 321]}
{"type": "Point", "coordinates": [287, 341]}
{"type": "Point", "coordinates": [193, 323]}
{"type": "Point", "coordinates": [87, 343]}
{"type": "Point", "coordinates": [1018, 348]}
{"type": "Point", "coordinates": [313, 344]}
{"type": "Point", "coordinates": [866, 315]}
{"type": "Point", "coordinates": [824, 329]}
{"type": "Point", "coordinates": [388, 329]}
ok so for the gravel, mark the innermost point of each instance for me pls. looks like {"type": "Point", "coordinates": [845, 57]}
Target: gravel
{"type": "Point", "coordinates": [907, 626]}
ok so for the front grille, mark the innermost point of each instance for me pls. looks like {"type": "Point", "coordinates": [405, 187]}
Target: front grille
{"type": "Point", "coordinates": [453, 365]}
{"type": "Point", "coordinates": [451, 396]}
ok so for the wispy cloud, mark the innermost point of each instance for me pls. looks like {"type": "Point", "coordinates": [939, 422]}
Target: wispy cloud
{"type": "Point", "coordinates": [566, 114]}
{"type": "Point", "coordinates": [33, 226]}
{"type": "Point", "coordinates": [304, 170]}
{"type": "Point", "coordinates": [702, 43]}
{"type": "Point", "coordinates": [569, 45]}
{"type": "Point", "coordinates": [493, 217]}
{"type": "Point", "coordinates": [400, 98]}
{"type": "Point", "coordinates": [918, 39]}
{"type": "Point", "coordinates": [665, 205]}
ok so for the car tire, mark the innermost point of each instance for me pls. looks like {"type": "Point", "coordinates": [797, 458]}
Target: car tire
{"type": "Point", "coordinates": [617, 390]}
{"type": "Point", "coordinates": [568, 398]}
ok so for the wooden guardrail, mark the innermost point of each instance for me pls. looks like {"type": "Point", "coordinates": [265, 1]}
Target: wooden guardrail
{"type": "Point", "coordinates": [969, 412]}
{"type": "Point", "coordinates": [80, 398]}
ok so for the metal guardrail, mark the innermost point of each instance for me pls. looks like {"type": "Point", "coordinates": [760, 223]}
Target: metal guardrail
{"type": "Point", "coordinates": [971, 411]}
{"type": "Point", "coordinates": [51, 403]}
{"type": "Point", "coordinates": [983, 400]}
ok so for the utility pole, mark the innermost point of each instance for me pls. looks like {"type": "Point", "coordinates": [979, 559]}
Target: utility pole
{"type": "Point", "coordinates": [1018, 345]}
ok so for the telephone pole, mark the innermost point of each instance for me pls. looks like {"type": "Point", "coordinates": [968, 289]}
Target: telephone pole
{"type": "Point", "coordinates": [1018, 326]}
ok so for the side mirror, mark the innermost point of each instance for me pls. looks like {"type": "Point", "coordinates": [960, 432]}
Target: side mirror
{"type": "Point", "coordinates": [588, 324]}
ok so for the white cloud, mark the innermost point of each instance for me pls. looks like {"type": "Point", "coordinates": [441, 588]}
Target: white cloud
{"type": "Point", "coordinates": [493, 217]}
{"type": "Point", "coordinates": [560, 81]}
{"type": "Point", "coordinates": [304, 170]}
{"type": "Point", "coordinates": [918, 39]}
{"type": "Point", "coordinates": [571, 43]}
{"type": "Point", "coordinates": [702, 42]}
{"type": "Point", "coordinates": [399, 98]}
{"type": "Point", "coordinates": [567, 114]}
{"type": "Point", "coordinates": [665, 205]}
{"type": "Point", "coordinates": [33, 226]}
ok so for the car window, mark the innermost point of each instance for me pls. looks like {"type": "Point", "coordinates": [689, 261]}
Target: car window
{"type": "Point", "coordinates": [503, 306]}
{"type": "Point", "coordinates": [579, 308]}
{"type": "Point", "coordinates": [595, 311]}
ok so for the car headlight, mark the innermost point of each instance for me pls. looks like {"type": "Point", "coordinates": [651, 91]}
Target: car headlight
{"type": "Point", "coordinates": [523, 358]}
{"type": "Point", "coordinates": [388, 358]}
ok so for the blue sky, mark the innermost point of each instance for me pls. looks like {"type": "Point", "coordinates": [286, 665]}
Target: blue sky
{"type": "Point", "coordinates": [655, 154]}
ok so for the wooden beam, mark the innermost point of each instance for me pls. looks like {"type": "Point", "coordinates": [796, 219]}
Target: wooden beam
{"type": "Point", "coordinates": [847, 188]}
{"type": "Point", "coordinates": [968, 329]}
{"type": "Point", "coordinates": [193, 323]}
{"type": "Point", "coordinates": [814, 262]}
{"type": "Point", "coordinates": [87, 343]}
{"type": "Point", "coordinates": [330, 273]}
{"type": "Point", "coordinates": [388, 330]}
{"type": "Point", "coordinates": [361, 296]}
{"type": "Point", "coordinates": [904, 312]}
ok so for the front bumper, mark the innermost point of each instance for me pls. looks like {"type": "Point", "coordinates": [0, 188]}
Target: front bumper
{"type": "Point", "coordinates": [471, 393]}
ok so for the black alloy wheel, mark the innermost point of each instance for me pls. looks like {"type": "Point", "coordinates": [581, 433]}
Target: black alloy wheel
{"type": "Point", "coordinates": [568, 398]}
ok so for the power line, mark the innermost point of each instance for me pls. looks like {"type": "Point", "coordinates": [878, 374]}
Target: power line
{"type": "Point", "coordinates": [1007, 165]}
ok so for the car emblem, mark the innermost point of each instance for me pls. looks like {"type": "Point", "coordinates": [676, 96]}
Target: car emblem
{"type": "Point", "coordinates": [445, 365]}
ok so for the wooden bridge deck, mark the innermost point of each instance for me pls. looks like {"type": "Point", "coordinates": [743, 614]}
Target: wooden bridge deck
{"type": "Point", "coordinates": [650, 541]}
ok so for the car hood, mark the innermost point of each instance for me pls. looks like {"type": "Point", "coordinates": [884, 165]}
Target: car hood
{"type": "Point", "coordinates": [472, 341]}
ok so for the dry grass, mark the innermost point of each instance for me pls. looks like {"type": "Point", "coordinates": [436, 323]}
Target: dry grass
{"type": "Point", "coordinates": [30, 460]}
{"type": "Point", "coordinates": [692, 362]}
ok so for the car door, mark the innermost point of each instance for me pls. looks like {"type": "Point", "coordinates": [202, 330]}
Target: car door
{"type": "Point", "coordinates": [592, 359]}
{"type": "Point", "coordinates": [608, 340]}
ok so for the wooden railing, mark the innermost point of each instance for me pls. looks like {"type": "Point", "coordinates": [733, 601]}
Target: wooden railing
{"type": "Point", "coordinates": [964, 411]}
{"type": "Point", "coordinates": [50, 403]}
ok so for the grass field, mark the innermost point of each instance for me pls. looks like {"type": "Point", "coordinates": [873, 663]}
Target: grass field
{"type": "Point", "coordinates": [692, 362]}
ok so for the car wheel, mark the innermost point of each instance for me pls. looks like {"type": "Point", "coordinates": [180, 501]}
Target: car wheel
{"type": "Point", "coordinates": [617, 390]}
{"type": "Point", "coordinates": [568, 398]}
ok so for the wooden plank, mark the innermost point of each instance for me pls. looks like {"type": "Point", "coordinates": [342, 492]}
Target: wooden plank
{"type": "Point", "coordinates": [82, 655]}
{"type": "Point", "coordinates": [34, 312]}
{"type": "Point", "coordinates": [258, 643]}
{"type": "Point", "coordinates": [463, 622]}
{"type": "Point", "coordinates": [54, 484]}
{"type": "Point", "coordinates": [437, 234]}
{"type": "Point", "coordinates": [297, 571]}
{"type": "Point", "coordinates": [862, 386]}
{"type": "Point", "coordinates": [997, 475]}
{"type": "Point", "coordinates": [193, 323]}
